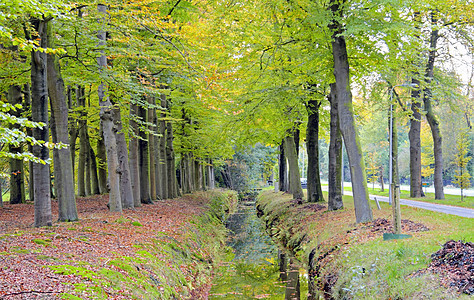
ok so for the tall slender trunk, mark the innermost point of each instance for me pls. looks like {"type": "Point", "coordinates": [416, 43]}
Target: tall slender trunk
{"type": "Point", "coordinates": [151, 146]}
{"type": "Point", "coordinates": [170, 161]}
{"type": "Point", "coordinates": [314, 189]}
{"type": "Point", "coordinates": [163, 165]}
{"type": "Point", "coordinates": [107, 121]}
{"type": "Point", "coordinates": [73, 132]}
{"type": "Point", "coordinates": [335, 156]}
{"type": "Point", "coordinates": [360, 192]}
{"type": "Point", "coordinates": [95, 190]}
{"type": "Point", "coordinates": [29, 132]}
{"type": "Point", "coordinates": [17, 174]}
{"type": "Point", "coordinates": [431, 117]}
{"type": "Point", "coordinates": [282, 168]}
{"type": "Point", "coordinates": [83, 143]}
{"type": "Point", "coordinates": [39, 113]}
{"type": "Point", "coordinates": [126, 194]}
{"type": "Point", "coordinates": [143, 161]}
{"type": "Point", "coordinates": [64, 180]}
{"type": "Point", "coordinates": [294, 173]}
{"type": "Point", "coordinates": [415, 143]}
{"type": "Point", "coordinates": [102, 162]}
{"type": "Point", "coordinates": [133, 155]}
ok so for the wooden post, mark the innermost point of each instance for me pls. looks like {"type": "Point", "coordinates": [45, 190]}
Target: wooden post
{"type": "Point", "coordinates": [397, 218]}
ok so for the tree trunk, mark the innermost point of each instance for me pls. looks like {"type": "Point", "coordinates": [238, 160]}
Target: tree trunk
{"type": "Point", "coordinates": [143, 161]}
{"type": "Point", "coordinates": [314, 189]}
{"type": "Point", "coordinates": [170, 161]}
{"type": "Point", "coordinates": [152, 151]}
{"type": "Point", "coordinates": [163, 165]}
{"type": "Point", "coordinates": [102, 162]}
{"type": "Point", "coordinates": [360, 192]}
{"type": "Point", "coordinates": [126, 194]}
{"type": "Point", "coordinates": [282, 168]}
{"type": "Point", "coordinates": [83, 143]}
{"type": "Point", "coordinates": [95, 190]}
{"type": "Point", "coordinates": [73, 132]}
{"type": "Point", "coordinates": [415, 143]}
{"type": "Point", "coordinates": [430, 116]}
{"type": "Point", "coordinates": [39, 113]}
{"type": "Point", "coordinates": [107, 121]}
{"type": "Point", "coordinates": [294, 173]}
{"type": "Point", "coordinates": [17, 174]}
{"type": "Point", "coordinates": [63, 174]}
{"type": "Point", "coordinates": [335, 156]}
{"type": "Point", "coordinates": [133, 155]}
{"type": "Point", "coordinates": [29, 132]}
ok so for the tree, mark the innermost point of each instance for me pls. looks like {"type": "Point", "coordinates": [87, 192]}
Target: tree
{"type": "Point", "coordinates": [462, 177]}
{"type": "Point", "coordinates": [315, 193]}
{"type": "Point", "coordinates": [39, 114]}
{"type": "Point", "coordinates": [372, 168]}
{"type": "Point", "coordinates": [363, 211]}
{"type": "Point", "coordinates": [335, 156]}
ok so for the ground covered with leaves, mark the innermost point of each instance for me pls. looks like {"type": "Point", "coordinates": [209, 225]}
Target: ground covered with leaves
{"type": "Point", "coordinates": [156, 251]}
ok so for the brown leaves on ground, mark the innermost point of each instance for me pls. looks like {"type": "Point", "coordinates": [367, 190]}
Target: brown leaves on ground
{"type": "Point", "coordinates": [455, 262]}
{"type": "Point", "coordinates": [99, 236]}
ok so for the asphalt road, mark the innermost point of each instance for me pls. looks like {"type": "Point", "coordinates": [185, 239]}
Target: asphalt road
{"type": "Point", "coordinates": [447, 209]}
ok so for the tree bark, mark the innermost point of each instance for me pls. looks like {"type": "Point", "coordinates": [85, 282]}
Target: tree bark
{"type": "Point", "coordinates": [294, 173]}
{"type": "Point", "coordinates": [133, 155]}
{"type": "Point", "coordinates": [95, 190]}
{"type": "Point", "coordinates": [64, 178]}
{"type": "Point", "coordinates": [17, 174]}
{"type": "Point", "coordinates": [415, 143]}
{"type": "Point", "coordinates": [163, 165]}
{"type": "Point", "coordinates": [335, 156]}
{"type": "Point", "coordinates": [143, 161]}
{"type": "Point", "coordinates": [126, 194]}
{"type": "Point", "coordinates": [152, 151]}
{"type": "Point", "coordinates": [314, 189]}
{"type": "Point", "coordinates": [360, 192]}
{"type": "Point", "coordinates": [39, 113]}
{"type": "Point", "coordinates": [170, 161]}
{"type": "Point", "coordinates": [83, 143]}
{"type": "Point", "coordinates": [107, 121]}
{"type": "Point", "coordinates": [430, 116]}
{"type": "Point", "coordinates": [102, 162]}
{"type": "Point", "coordinates": [282, 168]}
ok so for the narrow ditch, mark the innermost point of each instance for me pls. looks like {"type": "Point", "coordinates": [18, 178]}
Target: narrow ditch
{"type": "Point", "coordinates": [252, 271]}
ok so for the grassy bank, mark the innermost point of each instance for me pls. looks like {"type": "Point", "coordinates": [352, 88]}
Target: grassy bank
{"type": "Point", "coordinates": [352, 260]}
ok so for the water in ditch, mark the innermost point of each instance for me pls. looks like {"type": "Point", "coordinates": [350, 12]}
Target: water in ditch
{"type": "Point", "coordinates": [253, 272]}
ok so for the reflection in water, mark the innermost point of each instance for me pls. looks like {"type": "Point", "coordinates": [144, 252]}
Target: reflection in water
{"type": "Point", "coordinates": [254, 272]}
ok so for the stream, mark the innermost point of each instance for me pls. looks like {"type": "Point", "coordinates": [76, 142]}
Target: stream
{"type": "Point", "coordinates": [253, 271]}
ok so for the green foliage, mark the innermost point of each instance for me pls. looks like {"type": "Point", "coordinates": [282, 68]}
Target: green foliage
{"type": "Point", "coordinates": [462, 177]}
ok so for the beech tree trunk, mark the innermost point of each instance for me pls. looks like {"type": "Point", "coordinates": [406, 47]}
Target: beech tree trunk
{"type": "Point", "coordinates": [360, 192]}
{"type": "Point", "coordinates": [63, 174]}
{"type": "Point", "coordinates": [126, 194]}
{"type": "Point", "coordinates": [95, 190]}
{"type": "Point", "coordinates": [143, 161]}
{"type": "Point", "coordinates": [430, 116]}
{"type": "Point", "coordinates": [73, 133]}
{"type": "Point", "coordinates": [133, 155]}
{"type": "Point", "coordinates": [170, 159]}
{"type": "Point", "coordinates": [152, 150]}
{"type": "Point", "coordinates": [314, 189]}
{"type": "Point", "coordinates": [294, 172]}
{"type": "Point", "coordinates": [109, 130]}
{"type": "Point", "coordinates": [83, 144]}
{"type": "Point", "coordinates": [415, 143]}
{"type": "Point", "coordinates": [282, 168]}
{"type": "Point", "coordinates": [335, 156]}
{"type": "Point", "coordinates": [39, 113]}
{"type": "Point", "coordinates": [102, 162]}
{"type": "Point", "coordinates": [163, 165]}
{"type": "Point", "coordinates": [17, 174]}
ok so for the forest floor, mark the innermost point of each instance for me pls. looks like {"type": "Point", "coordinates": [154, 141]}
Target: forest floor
{"type": "Point", "coordinates": [28, 255]}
